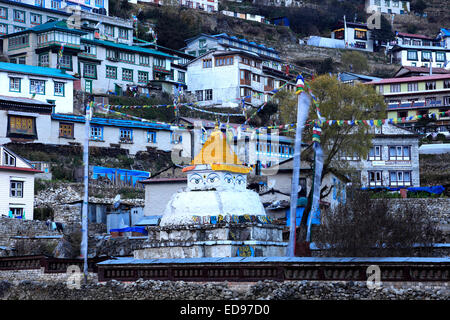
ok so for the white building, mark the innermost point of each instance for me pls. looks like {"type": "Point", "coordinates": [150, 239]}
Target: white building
{"type": "Point", "coordinates": [18, 16]}
{"type": "Point", "coordinates": [354, 36]}
{"type": "Point", "coordinates": [204, 5]}
{"type": "Point", "coordinates": [48, 85]}
{"type": "Point", "coordinates": [96, 6]}
{"type": "Point", "coordinates": [16, 185]}
{"type": "Point", "coordinates": [388, 6]}
{"type": "Point", "coordinates": [226, 77]}
{"type": "Point", "coordinates": [416, 50]}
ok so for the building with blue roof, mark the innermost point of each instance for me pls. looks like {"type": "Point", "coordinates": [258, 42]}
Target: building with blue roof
{"type": "Point", "coordinates": [444, 37]}
{"type": "Point", "coordinates": [53, 86]}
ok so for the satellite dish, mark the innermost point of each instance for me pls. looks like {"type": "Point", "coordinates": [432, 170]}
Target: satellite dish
{"type": "Point", "coordinates": [117, 201]}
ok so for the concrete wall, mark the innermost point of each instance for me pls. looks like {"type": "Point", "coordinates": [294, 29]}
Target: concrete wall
{"type": "Point", "coordinates": [157, 195]}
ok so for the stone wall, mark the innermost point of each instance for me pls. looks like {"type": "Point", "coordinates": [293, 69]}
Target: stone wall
{"type": "Point", "coordinates": [10, 227]}
{"type": "Point", "coordinates": [179, 290]}
{"type": "Point", "coordinates": [438, 208]}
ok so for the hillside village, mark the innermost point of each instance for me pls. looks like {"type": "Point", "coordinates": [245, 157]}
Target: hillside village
{"type": "Point", "coordinates": [135, 130]}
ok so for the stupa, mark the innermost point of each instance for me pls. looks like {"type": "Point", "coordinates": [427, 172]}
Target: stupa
{"type": "Point", "coordinates": [215, 215]}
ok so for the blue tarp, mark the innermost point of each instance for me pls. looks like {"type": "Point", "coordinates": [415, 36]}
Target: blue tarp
{"type": "Point", "coordinates": [130, 175]}
{"type": "Point", "coordinates": [433, 189]}
{"type": "Point", "coordinates": [299, 214]}
{"type": "Point", "coordinates": [131, 229]}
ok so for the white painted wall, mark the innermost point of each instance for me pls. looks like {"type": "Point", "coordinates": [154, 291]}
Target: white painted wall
{"type": "Point", "coordinates": [64, 104]}
{"type": "Point", "coordinates": [26, 202]}
{"type": "Point", "coordinates": [157, 195]}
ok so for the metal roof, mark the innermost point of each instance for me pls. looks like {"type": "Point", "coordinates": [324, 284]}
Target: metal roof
{"type": "Point", "coordinates": [129, 260]}
{"type": "Point", "coordinates": [130, 48]}
{"type": "Point", "coordinates": [23, 100]}
{"type": "Point", "coordinates": [411, 79]}
{"type": "Point", "coordinates": [35, 70]}
{"type": "Point", "coordinates": [112, 122]}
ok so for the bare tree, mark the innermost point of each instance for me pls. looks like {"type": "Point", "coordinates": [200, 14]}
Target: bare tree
{"type": "Point", "coordinates": [369, 227]}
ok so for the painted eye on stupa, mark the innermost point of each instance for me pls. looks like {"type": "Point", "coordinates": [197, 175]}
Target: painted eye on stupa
{"type": "Point", "coordinates": [240, 180]}
{"type": "Point", "coordinates": [213, 178]}
{"type": "Point", "coordinates": [228, 178]}
{"type": "Point", "coordinates": [196, 178]}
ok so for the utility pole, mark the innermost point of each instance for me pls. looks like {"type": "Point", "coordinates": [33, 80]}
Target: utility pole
{"type": "Point", "coordinates": [304, 101]}
{"type": "Point", "coordinates": [84, 218]}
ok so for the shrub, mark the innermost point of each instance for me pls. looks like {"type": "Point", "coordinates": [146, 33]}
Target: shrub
{"type": "Point", "coordinates": [367, 227]}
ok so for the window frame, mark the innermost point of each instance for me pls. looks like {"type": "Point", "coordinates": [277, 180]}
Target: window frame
{"type": "Point", "coordinates": [375, 182]}
{"type": "Point", "coordinates": [36, 81]}
{"type": "Point", "coordinates": [55, 85]}
{"type": "Point", "coordinates": [124, 70]}
{"type": "Point", "coordinates": [401, 157]}
{"type": "Point", "coordinates": [108, 75]}
{"type": "Point", "coordinates": [20, 84]}
{"type": "Point", "coordinates": [68, 125]}
{"type": "Point", "coordinates": [19, 11]}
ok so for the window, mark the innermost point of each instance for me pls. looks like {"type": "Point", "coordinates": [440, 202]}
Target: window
{"type": "Point", "coordinates": [143, 77]}
{"type": "Point", "coordinates": [402, 114]}
{"type": "Point", "coordinates": [127, 74]}
{"type": "Point", "coordinates": [375, 153]}
{"type": "Point", "coordinates": [399, 153]}
{"type": "Point", "coordinates": [8, 159]}
{"type": "Point", "coordinates": [43, 60]}
{"type": "Point", "coordinates": [90, 71]}
{"type": "Point", "coordinates": [96, 133]}
{"type": "Point", "coordinates": [446, 84]}
{"type": "Point", "coordinates": [111, 72]}
{"type": "Point", "coordinates": [16, 189]}
{"type": "Point", "coordinates": [440, 56]}
{"type": "Point", "coordinates": [151, 136]}
{"type": "Point", "coordinates": [37, 86]}
{"type": "Point", "coordinates": [55, 4]}
{"type": "Point", "coordinates": [181, 76]}
{"type": "Point", "coordinates": [375, 178]}
{"type": "Point", "coordinates": [59, 88]}
{"type": "Point", "coordinates": [361, 34]}
{"type": "Point", "coordinates": [412, 86]}
{"type": "Point", "coordinates": [426, 56]}
{"type": "Point", "coordinates": [109, 30]}
{"type": "Point", "coordinates": [199, 95]}
{"type": "Point", "coordinates": [400, 178]}
{"type": "Point", "coordinates": [395, 87]}
{"type": "Point", "coordinates": [412, 55]}
{"type": "Point", "coordinates": [20, 126]}
{"type": "Point", "coordinates": [207, 63]}
{"type": "Point", "coordinates": [381, 89]}
{"type": "Point", "coordinates": [224, 61]}
{"type": "Point", "coordinates": [144, 60]}
{"type": "Point", "coordinates": [430, 85]}
{"type": "Point", "coordinates": [14, 84]}
{"type": "Point", "coordinates": [202, 43]}
{"type": "Point", "coordinates": [126, 57]}
{"type": "Point", "coordinates": [65, 130]}
{"type": "Point", "coordinates": [16, 213]}
{"type": "Point", "coordinates": [35, 19]}
{"type": "Point", "coordinates": [175, 137]}
{"type": "Point", "coordinates": [3, 13]}
{"type": "Point", "coordinates": [18, 42]}
{"type": "Point", "coordinates": [208, 94]}
{"type": "Point", "coordinates": [99, 3]}
{"type": "Point", "coordinates": [90, 50]}
{"type": "Point", "coordinates": [3, 28]}
{"type": "Point", "coordinates": [19, 16]}
{"type": "Point", "coordinates": [39, 3]}
{"type": "Point", "coordinates": [126, 135]}
{"type": "Point", "coordinates": [66, 62]}
{"type": "Point", "coordinates": [159, 62]}
{"type": "Point", "coordinates": [123, 33]}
